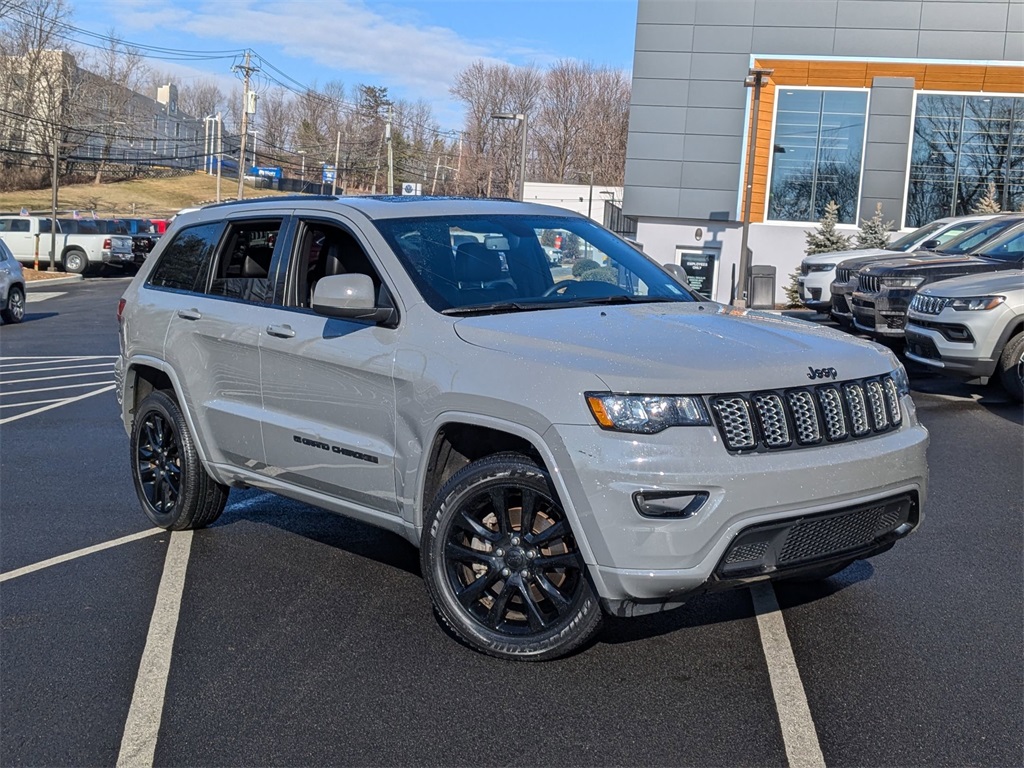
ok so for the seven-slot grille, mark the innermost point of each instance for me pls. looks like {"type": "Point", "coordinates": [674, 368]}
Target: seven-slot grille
{"type": "Point", "coordinates": [927, 305]}
{"type": "Point", "coordinates": [798, 418]}
{"type": "Point", "coordinates": [869, 283]}
{"type": "Point", "coordinates": [843, 274]}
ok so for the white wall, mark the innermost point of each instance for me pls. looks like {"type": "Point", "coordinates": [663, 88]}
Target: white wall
{"type": "Point", "coordinates": [573, 197]}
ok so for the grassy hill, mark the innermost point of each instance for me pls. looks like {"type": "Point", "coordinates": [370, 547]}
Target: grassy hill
{"type": "Point", "coordinates": [149, 198]}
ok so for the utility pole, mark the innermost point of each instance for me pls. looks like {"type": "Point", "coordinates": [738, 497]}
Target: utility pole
{"type": "Point", "coordinates": [248, 103]}
{"type": "Point", "coordinates": [376, 171]}
{"type": "Point", "coordinates": [391, 156]}
{"type": "Point", "coordinates": [53, 201]}
{"type": "Point", "coordinates": [220, 151]}
{"type": "Point", "coordinates": [436, 169]}
{"type": "Point", "coordinates": [337, 158]}
{"type": "Point", "coordinates": [757, 77]}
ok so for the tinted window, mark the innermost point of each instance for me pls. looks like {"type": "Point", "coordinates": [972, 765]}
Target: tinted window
{"type": "Point", "coordinates": [243, 270]}
{"type": "Point", "coordinates": [1011, 249]}
{"type": "Point", "coordinates": [185, 263]}
{"type": "Point", "coordinates": [476, 261]}
{"type": "Point", "coordinates": [977, 236]}
{"type": "Point", "coordinates": [14, 225]}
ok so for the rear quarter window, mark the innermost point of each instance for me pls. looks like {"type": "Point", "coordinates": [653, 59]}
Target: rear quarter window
{"type": "Point", "coordinates": [185, 262]}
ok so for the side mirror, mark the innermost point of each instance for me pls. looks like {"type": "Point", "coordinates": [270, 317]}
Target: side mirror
{"type": "Point", "coordinates": [349, 296]}
{"type": "Point", "coordinates": [930, 245]}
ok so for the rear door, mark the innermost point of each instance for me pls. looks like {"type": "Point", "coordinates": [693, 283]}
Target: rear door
{"type": "Point", "coordinates": [328, 391]}
{"type": "Point", "coordinates": [214, 331]}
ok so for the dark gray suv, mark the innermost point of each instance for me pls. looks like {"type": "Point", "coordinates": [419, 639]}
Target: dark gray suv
{"type": "Point", "coordinates": [558, 446]}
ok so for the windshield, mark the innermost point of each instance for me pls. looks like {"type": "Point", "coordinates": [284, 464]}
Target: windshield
{"type": "Point", "coordinates": [911, 239]}
{"type": "Point", "coordinates": [1010, 248]}
{"type": "Point", "coordinates": [971, 240]}
{"type": "Point", "coordinates": [503, 263]}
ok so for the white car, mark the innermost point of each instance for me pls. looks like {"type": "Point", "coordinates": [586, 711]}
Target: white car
{"type": "Point", "coordinates": [819, 270]}
{"type": "Point", "coordinates": [971, 327]}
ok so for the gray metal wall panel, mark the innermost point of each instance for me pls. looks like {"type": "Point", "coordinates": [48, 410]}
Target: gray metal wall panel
{"type": "Point", "coordinates": [715, 149]}
{"type": "Point", "coordinates": [719, 176]}
{"type": "Point", "coordinates": [666, 12]}
{"type": "Point", "coordinates": [722, 40]}
{"type": "Point", "coordinates": [641, 199]}
{"type": "Point", "coordinates": [717, 93]}
{"type": "Point", "coordinates": [715, 122]}
{"type": "Point", "coordinates": [888, 129]}
{"type": "Point", "coordinates": [961, 45]}
{"type": "Point", "coordinates": [659, 173]}
{"type": "Point", "coordinates": [879, 156]}
{"type": "Point", "coordinates": [661, 65]}
{"type": "Point", "coordinates": [731, 13]}
{"type": "Point", "coordinates": [1015, 18]}
{"type": "Point", "coordinates": [875, 42]}
{"type": "Point", "coordinates": [889, 96]}
{"type": "Point", "coordinates": [664, 37]}
{"type": "Point", "coordinates": [655, 146]}
{"type": "Point", "coordinates": [963, 17]}
{"type": "Point", "coordinates": [719, 66]}
{"type": "Point", "coordinates": [657, 119]}
{"type": "Point", "coordinates": [783, 41]}
{"type": "Point", "coordinates": [1014, 46]}
{"type": "Point", "coordinates": [660, 93]}
{"type": "Point", "coordinates": [701, 204]}
{"type": "Point", "coordinates": [795, 13]}
{"type": "Point", "coordinates": [881, 184]}
{"type": "Point", "coordinates": [878, 14]}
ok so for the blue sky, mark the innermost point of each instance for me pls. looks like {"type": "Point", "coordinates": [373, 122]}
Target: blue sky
{"type": "Point", "coordinates": [414, 47]}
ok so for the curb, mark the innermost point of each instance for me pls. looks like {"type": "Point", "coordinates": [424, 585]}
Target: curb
{"type": "Point", "coordinates": [33, 285]}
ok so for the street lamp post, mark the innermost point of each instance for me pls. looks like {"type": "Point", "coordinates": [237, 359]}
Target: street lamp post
{"type": "Point", "coordinates": [254, 132]}
{"type": "Point", "coordinates": [303, 153]}
{"type": "Point", "coordinates": [756, 78]}
{"type": "Point", "coordinates": [521, 117]}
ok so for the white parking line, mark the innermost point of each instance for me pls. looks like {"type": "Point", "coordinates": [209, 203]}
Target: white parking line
{"type": "Point", "coordinates": [51, 389]}
{"type": "Point", "coordinates": [47, 368]}
{"type": "Point", "coordinates": [8, 362]}
{"type": "Point", "coordinates": [78, 553]}
{"type": "Point", "coordinates": [32, 402]}
{"type": "Point", "coordinates": [33, 296]}
{"type": "Point", "coordinates": [798, 732]}
{"type": "Point", "coordinates": [138, 745]}
{"type": "Point", "coordinates": [66, 401]}
{"type": "Point", "coordinates": [51, 378]}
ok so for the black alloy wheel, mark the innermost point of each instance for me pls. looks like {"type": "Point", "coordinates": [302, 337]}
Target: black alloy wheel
{"type": "Point", "coordinates": [503, 565]}
{"type": "Point", "coordinates": [175, 490]}
{"type": "Point", "coordinates": [14, 312]}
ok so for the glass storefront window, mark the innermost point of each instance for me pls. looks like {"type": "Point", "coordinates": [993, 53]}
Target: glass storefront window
{"type": "Point", "coordinates": [964, 147]}
{"type": "Point", "coordinates": [816, 154]}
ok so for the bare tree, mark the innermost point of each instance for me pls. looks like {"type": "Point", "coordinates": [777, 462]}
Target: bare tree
{"type": "Point", "coordinates": [275, 124]}
{"type": "Point", "coordinates": [121, 71]}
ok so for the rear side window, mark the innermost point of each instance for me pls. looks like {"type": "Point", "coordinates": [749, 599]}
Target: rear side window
{"type": "Point", "coordinates": [185, 263]}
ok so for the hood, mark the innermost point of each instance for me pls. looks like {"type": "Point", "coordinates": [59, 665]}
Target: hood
{"type": "Point", "coordinates": [921, 261]}
{"type": "Point", "coordinates": [981, 284]}
{"type": "Point", "coordinates": [677, 348]}
{"type": "Point", "coordinates": [869, 257]}
{"type": "Point", "coordinates": [840, 256]}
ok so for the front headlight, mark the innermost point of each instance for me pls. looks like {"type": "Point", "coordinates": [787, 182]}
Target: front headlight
{"type": "Point", "coordinates": [902, 282]}
{"type": "Point", "coordinates": [898, 373]}
{"type": "Point", "coordinates": [976, 303]}
{"type": "Point", "coordinates": [646, 414]}
{"type": "Point", "coordinates": [820, 267]}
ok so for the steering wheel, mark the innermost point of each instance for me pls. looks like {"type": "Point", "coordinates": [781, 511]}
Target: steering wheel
{"type": "Point", "coordinates": [584, 289]}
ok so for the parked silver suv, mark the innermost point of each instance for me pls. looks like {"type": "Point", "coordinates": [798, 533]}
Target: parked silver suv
{"type": "Point", "coordinates": [557, 446]}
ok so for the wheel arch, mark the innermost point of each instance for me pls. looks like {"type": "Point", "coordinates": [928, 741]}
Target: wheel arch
{"type": "Point", "coordinates": [147, 374]}
{"type": "Point", "coordinates": [457, 439]}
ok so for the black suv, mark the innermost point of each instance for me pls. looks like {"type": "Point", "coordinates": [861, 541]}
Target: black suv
{"type": "Point", "coordinates": [884, 290]}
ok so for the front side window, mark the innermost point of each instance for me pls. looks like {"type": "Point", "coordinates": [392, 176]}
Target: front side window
{"type": "Point", "coordinates": [816, 154]}
{"type": "Point", "coordinates": [1011, 249]}
{"type": "Point", "coordinates": [465, 264]}
{"type": "Point", "coordinates": [976, 237]}
{"type": "Point", "coordinates": [965, 148]}
{"type": "Point", "coordinates": [14, 225]}
{"type": "Point", "coordinates": [185, 263]}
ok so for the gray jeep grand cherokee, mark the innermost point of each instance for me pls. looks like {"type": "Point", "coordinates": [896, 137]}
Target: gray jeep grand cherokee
{"type": "Point", "coordinates": [557, 445]}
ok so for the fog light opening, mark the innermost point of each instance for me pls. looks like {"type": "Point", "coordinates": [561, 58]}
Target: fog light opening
{"type": "Point", "coordinates": [674, 505]}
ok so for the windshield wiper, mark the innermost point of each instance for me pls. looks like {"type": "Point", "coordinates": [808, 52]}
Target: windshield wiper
{"type": "Point", "coordinates": [496, 307]}
{"type": "Point", "coordinates": [617, 299]}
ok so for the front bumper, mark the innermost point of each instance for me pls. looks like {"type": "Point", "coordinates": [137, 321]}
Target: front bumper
{"type": "Point", "coordinates": [655, 561]}
{"type": "Point", "coordinates": [882, 314]}
{"type": "Point", "coordinates": [814, 291]}
{"type": "Point", "coordinates": [952, 346]}
{"type": "Point", "coordinates": [842, 295]}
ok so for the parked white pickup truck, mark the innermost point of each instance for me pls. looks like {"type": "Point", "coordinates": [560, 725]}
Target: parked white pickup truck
{"type": "Point", "coordinates": [74, 252]}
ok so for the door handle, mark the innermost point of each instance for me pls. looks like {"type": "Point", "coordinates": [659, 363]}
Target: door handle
{"type": "Point", "coordinates": [281, 331]}
{"type": "Point", "coordinates": [189, 314]}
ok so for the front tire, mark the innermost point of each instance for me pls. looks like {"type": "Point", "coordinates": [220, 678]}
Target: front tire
{"type": "Point", "coordinates": [175, 491]}
{"type": "Point", "coordinates": [1011, 367]}
{"type": "Point", "coordinates": [502, 566]}
{"type": "Point", "coordinates": [14, 310]}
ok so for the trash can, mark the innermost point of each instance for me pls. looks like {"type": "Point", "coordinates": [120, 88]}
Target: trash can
{"type": "Point", "coordinates": [762, 287]}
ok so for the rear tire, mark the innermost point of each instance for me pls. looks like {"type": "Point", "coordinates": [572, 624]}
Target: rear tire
{"type": "Point", "coordinates": [175, 491]}
{"type": "Point", "coordinates": [76, 262]}
{"type": "Point", "coordinates": [14, 310]}
{"type": "Point", "coordinates": [1011, 367]}
{"type": "Point", "coordinates": [501, 563]}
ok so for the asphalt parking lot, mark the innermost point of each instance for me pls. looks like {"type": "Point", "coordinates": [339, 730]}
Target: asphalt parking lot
{"type": "Point", "coordinates": [301, 638]}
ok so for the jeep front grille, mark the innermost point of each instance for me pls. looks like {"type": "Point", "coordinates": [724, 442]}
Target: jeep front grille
{"type": "Point", "coordinates": [869, 283]}
{"type": "Point", "coordinates": [927, 305]}
{"type": "Point", "coordinates": [806, 416]}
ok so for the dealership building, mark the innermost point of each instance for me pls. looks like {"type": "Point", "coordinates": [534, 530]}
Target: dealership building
{"type": "Point", "coordinates": [916, 105]}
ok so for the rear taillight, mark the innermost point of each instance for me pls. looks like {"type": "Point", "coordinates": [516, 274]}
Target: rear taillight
{"type": "Point", "coordinates": [106, 244]}
{"type": "Point", "coordinates": [120, 310]}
